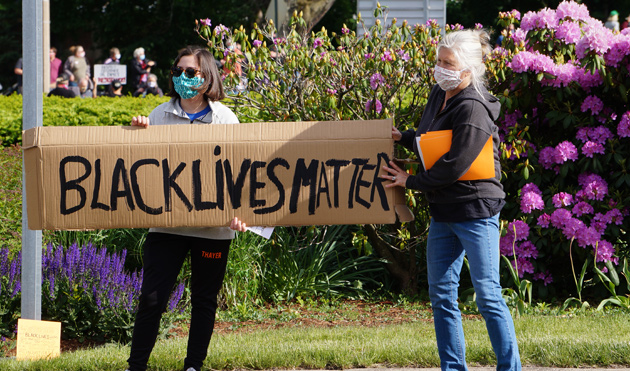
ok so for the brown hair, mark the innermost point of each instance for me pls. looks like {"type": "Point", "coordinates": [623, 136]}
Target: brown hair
{"type": "Point", "coordinates": [212, 87]}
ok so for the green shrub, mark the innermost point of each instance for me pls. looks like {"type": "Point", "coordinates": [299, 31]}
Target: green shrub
{"type": "Point", "coordinates": [58, 111]}
{"type": "Point", "coordinates": [10, 198]}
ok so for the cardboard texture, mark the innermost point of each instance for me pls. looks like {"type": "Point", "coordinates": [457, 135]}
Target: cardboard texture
{"type": "Point", "coordinates": [267, 174]}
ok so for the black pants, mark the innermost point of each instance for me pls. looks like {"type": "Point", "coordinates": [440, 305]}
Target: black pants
{"type": "Point", "coordinates": [164, 255]}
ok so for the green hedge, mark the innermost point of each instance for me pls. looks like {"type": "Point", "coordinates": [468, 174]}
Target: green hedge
{"type": "Point", "coordinates": [57, 111]}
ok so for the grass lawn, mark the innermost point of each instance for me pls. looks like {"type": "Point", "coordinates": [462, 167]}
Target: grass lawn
{"type": "Point", "coordinates": [353, 335]}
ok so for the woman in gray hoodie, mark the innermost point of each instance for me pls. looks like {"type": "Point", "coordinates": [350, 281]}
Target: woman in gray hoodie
{"type": "Point", "coordinates": [464, 213]}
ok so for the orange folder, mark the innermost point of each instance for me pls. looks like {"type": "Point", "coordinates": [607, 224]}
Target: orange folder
{"type": "Point", "coordinates": [435, 144]}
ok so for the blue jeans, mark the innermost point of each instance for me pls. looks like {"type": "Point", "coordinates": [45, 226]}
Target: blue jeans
{"type": "Point", "coordinates": [479, 240]}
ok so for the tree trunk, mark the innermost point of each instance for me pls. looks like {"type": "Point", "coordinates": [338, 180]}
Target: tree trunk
{"type": "Point", "coordinates": [313, 11]}
{"type": "Point", "coordinates": [401, 264]}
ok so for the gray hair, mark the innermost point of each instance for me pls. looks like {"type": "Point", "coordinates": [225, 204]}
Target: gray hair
{"type": "Point", "coordinates": [470, 48]}
{"type": "Point", "coordinates": [138, 52]}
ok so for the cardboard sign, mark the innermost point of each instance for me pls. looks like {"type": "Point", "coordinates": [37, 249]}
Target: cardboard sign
{"type": "Point", "coordinates": [106, 73]}
{"type": "Point", "coordinates": [38, 339]}
{"type": "Point", "coordinates": [267, 174]}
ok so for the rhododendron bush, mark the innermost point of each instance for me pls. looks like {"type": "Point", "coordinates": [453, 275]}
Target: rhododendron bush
{"type": "Point", "coordinates": [563, 80]}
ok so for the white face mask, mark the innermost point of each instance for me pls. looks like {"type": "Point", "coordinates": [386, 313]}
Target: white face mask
{"type": "Point", "coordinates": [117, 56]}
{"type": "Point", "coordinates": [81, 54]}
{"type": "Point", "coordinates": [447, 79]}
{"type": "Point", "coordinates": [152, 84]}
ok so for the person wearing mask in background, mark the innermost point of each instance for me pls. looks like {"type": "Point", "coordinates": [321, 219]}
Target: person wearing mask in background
{"type": "Point", "coordinates": [76, 66]}
{"type": "Point", "coordinates": [151, 87]}
{"type": "Point", "coordinates": [464, 213]}
{"type": "Point", "coordinates": [613, 21]}
{"type": "Point", "coordinates": [62, 89]}
{"type": "Point", "coordinates": [138, 69]}
{"type": "Point", "coordinates": [87, 88]}
{"type": "Point", "coordinates": [196, 91]}
{"type": "Point", "coordinates": [114, 56]}
{"type": "Point", "coordinates": [18, 71]}
{"type": "Point", "coordinates": [114, 90]}
{"type": "Point", "coordinates": [55, 66]}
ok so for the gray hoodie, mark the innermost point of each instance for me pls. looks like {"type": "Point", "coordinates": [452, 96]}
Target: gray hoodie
{"type": "Point", "coordinates": [471, 118]}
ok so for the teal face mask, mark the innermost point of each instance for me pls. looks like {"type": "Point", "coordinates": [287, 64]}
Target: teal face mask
{"type": "Point", "coordinates": [183, 85]}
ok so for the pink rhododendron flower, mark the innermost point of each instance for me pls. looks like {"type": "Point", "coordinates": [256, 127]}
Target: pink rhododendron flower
{"type": "Point", "coordinates": [518, 230]}
{"type": "Point", "coordinates": [546, 157]}
{"type": "Point", "coordinates": [317, 42]}
{"type": "Point", "coordinates": [387, 56]}
{"type": "Point", "coordinates": [519, 36]}
{"type": "Point", "coordinates": [588, 236]}
{"type": "Point", "coordinates": [571, 227]}
{"type": "Point", "coordinates": [559, 217]}
{"type": "Point", "coordinates": [597, 38]}
{"type": "Point", "coordinates": [206, 22]}
{"type": "Point", "coordinates": [527, 250]}
{"type": "Point", "coordinates": [572, 10]}
{"type": "Point", "coordinates": [587, 79]}
{"type": "Point", "coordinates": [545, 277]}
{"type": "Point", "coordinates": [516, 14]}
{"type": "Point", "coordinates": [369, 105]}
{"type": "Point", "coordinates": [623, 129]}
{"type": "Point", "coordinates": [523, 265]}
{"type": "Point", "coordinates": [564, 73]}
{"type": "Point", "coordinates": [376, 80]}
{"type": "Point", "coordinates": [590, 148]}
{"type": "Point", "coordinates": [403, 55]}
{"type": "Point", "coordinates": [615, 216]}
{"type": "Point", "coordinates": [545, 18]}
{"type": "Point", "coordinates": [565, 151]}
{"type": "Point", "coordinates": [605, 251]}
{"type": "Point", "coordinates": [562, 199]}
{"type": "Point", "coordinates": [527, 61]}
{"type": "Point", "coordinates": [582, 208]}
{"type": "Point", "coordinates": [569, 32]}
{"type": "Point", "coordinates": [619, 48]}
{"type": "Point", "coordinates": [594, 187]}
{"type": "Point", "coordinates": [544, 220]}
{"type": "Point", "coordinates": [531, 198]}
{"type": "Point", "coordinates": [257, 43]}
{"type": "Point", "coordinates": [592, 103]}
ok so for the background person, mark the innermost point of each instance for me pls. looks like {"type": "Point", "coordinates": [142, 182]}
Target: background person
{"type": "Point", "coordinates": [18, 70]}
{"type": "Point", "coordinates": [55, 66]}
{"type": "Point", "coordinates": [77, 66]}
{"type": "Point", "coordinates": [613, 21]}
{"type": "Point", "coordinates": [464, 214]}
{"type": "Point", "coordinates": [114, 90]}
{"type": "Point", "coordinates": [139, 69]}
{"type": "Point", "coordinates": [151, 87]}
{"type": "Point", "coordinates": [62, 89]}
{"type": "Point", "coordinates": [87, 88]}
{"type": "Point", "coordinates": [195, 91]}
{"type": "Point", "coordinates": [114, 56]}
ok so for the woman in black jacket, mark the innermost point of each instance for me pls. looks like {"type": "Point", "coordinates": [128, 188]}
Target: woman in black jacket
{"type": "Point", "coordinates": [464, 209]}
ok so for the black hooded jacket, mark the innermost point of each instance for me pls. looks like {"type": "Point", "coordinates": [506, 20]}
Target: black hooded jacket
{"type": "Point", "coordinates": [471, 118]}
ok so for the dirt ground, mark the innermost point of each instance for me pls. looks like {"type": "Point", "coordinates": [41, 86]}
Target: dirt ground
{"type": "Point", "coordinates": [346, 313]}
